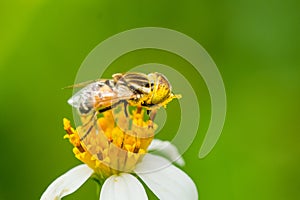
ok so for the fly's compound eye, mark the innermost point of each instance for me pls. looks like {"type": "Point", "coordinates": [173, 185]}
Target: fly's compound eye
{"type": "Point", "coordinates": [162, 89]}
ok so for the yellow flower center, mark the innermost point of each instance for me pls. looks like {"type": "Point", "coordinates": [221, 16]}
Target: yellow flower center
{"type": "Point", "coordinates": [115, 142]}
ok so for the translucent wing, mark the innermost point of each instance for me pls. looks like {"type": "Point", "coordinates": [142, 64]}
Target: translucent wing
{"type": "Point", "coordinates": [83, 84]}
{"type": "Point", "coordinates": [100, 94]}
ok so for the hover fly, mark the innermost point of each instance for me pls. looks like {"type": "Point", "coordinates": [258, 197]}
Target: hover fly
{"type": "Point", "coordinates": [149, 91]}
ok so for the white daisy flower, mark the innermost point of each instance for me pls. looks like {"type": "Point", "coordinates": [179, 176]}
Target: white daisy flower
{"type": "Point", "coordinates": [117, 170]}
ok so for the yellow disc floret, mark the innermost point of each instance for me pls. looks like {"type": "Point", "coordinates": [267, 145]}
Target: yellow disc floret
{"type": "Point", "coordinates": [115, 142]}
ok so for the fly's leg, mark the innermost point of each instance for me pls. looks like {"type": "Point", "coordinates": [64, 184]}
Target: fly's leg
{"type": "Point", "coordinates": [151, 114]}
{"type": "Point", "coordinates": [96, 125]}
{"type": "Point", "coordinates": [125, 108]}
{"type": "Point", "coordinates": [92, 125]}
{"type": "Point", "coordinates": [87, 133]}
{"type": "Point", "coordinates": [103, 109]}
{"type": "Point", "coordinates": [92, 121]}
{"type": "Point", "coordinates": [92, 116]}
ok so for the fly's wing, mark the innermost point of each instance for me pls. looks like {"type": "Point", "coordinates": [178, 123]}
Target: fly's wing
{"type": "Point", "coordinates": [99, 95]}
{"type": "Point", "coordinates": [83, 84]}
{"type": "Point", "coordinates": [94, 98]}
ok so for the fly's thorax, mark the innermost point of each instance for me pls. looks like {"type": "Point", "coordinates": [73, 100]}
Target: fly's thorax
{"type": "Point", "coordinates": [138, 83]}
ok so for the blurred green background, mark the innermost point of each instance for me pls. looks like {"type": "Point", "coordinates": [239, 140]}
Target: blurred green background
{"type": "Point", "coordinates": [254, 43]}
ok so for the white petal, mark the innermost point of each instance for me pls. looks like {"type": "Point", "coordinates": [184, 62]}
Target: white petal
{"type": "Point", "coordinates": [166, 183]}
{"type": "Point", "coordinates": [167, 150]}
{"type": "Point", "coordinates": [67, 183]}
{"type": "Point", "coordinates": [122, 187]}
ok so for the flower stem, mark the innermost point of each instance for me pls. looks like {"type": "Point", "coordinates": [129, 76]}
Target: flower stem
{"type": "Point", "coordinates": [98, 190]}
{"type": "Point", "coordinates": [99, 183]}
